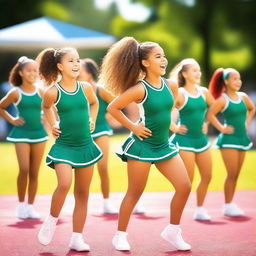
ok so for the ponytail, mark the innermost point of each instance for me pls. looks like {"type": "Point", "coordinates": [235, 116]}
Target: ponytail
{"type": "Point", "coordinates": [121, 67]}
{"type": "Point", "coordinates": [217, 84]}
{"type": "Point", "coordinates": [48, 60]}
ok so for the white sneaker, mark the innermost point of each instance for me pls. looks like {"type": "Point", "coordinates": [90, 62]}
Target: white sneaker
{"type": "Point", "coordinates": [173, 236]}
{"type": "Point", "coordinates": [47, 230]}
{"type": "Point", "coordinates": [232, 210]}
{"type": "Point", "coordinates": [21, 212]}
{"type": "Point", "coordinates": [138, 209]}
{"type": "Point", "coordinates": [32, 212]}
{"type": "Point", "coordinates": [77, 243]}
{"type": "Point", "coordinates": [120, 242]}
{"type": "Point", "coordinates": [201, 214]}
{"type": "Point", "coordinates": [108, 207]}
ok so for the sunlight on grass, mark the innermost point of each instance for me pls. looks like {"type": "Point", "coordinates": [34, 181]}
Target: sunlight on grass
{"type": "Point", "coordinates": [117, 171]}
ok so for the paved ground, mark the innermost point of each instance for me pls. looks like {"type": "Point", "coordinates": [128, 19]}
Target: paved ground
{"type": "Point", "coordinates": [220, 237]}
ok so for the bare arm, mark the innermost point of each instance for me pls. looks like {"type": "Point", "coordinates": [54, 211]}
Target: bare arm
{"type": "Point", "coordinates": [49, 99]}
{"type": "Point", "coordinates": [178, 102]}
{"type": "Point", "coordinates": [11, 97]}
{"type": "Point", "coordinates": [214, 109]}
{"type": "Point", "coordinates": [251, 109]}
{"type": "Point", "coordinates": [133, 94]}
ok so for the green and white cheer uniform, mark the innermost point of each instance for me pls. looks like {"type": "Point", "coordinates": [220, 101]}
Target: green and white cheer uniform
{"type": "Point", "coordinates": [192, 115]}
{"type": "Point", "coordinates": [102, 127]}
{"type": "Point", "coordinates": [29, 108]}
{"type": "Point", "coordinates": [75, 145]}
{"type": "Point", "coordinates": [234, 114]}
{"type": "Point", "coordinates": [155, 113]}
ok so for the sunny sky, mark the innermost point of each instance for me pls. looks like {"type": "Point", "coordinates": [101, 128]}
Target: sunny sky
{"type": "Point", "coordinates": [130, 11]}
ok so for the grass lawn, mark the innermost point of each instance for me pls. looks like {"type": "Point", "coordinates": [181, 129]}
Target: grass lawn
{"type": "Point", "coordinates": [117, 171]}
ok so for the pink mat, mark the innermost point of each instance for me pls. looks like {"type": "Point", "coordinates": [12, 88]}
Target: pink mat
{"type": "Point", "coordinates": [220, 237]}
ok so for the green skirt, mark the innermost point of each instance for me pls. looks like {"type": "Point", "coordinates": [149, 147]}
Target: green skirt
{"type": "Point", "coordinates": [234, 141]}
{"type": "Point", "coordinates": [76, 156]}
{"type": "Point", "coordinates": [102, 130]}
{"type": "Point", "coordinates": [193, 144]}
{"type": "Point", "coordinates": [18, 135]}
{"type": "Point", "coordinates": [133, 148]}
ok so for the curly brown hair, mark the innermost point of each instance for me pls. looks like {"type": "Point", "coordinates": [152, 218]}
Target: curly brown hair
{"type": "Point", "coordinates": [122, 65]}
{"type": "Point", "coordinates": [48, 60]}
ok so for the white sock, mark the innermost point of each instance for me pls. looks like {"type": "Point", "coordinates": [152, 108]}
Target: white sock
{"type": "Point", "coordinates": [21, 203]}
{"type": "Point", "coordinates": [227, 205]}
{"type": "Point", "coordinates": [174, 226]}
{"type": "Point", "coordinates": [51, 218]}
{"type": "Point", "coordinates": [76, 235]}
{"type": "Point", "coordinates": [30, 206]}
{"type": "Point", "coordinates": [105, 201]}
{"type": "Point", "coordinates": [199, 208]}
{"type": "Point", "coordinates": [121, 233]}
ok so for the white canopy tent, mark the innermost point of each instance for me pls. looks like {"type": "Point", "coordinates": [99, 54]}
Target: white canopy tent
{"type": "Point", "coordinates": [46, 32]}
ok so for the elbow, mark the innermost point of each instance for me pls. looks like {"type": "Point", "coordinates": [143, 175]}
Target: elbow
{"type": "Point", "coordinates": [110, 108]}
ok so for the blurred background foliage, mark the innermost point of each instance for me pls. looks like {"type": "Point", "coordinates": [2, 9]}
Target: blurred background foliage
{"type": "Point", "coordinates": [215, 32]}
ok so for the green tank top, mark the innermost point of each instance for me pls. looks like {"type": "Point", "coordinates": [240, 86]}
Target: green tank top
{"type": "Point", "coordinates": [73, 111]}
{"type": "Point", "coordinates": [29, 108]}
{"type": "Point", "coordinates": [155, 111]}
{"type": "Point", "coordinates": [101, 117]}
{"type": "Point", "coordinates": [192, 113]}
{"type": "Point", "coordinates": [234, 113]}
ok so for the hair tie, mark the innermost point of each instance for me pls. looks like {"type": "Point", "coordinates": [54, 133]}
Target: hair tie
{"type": "Point", "coordinates": [226, 73]}
{"type": "Point", "coordinates": [24, 59]}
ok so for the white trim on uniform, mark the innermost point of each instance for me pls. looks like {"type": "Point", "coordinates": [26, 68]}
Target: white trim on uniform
{"type": "Point", "coordinates": [26, 140]}
{"type": "Point", "coordinates": [152, 87]}
{"type": "Point", "coordinates": [151, 159]}
{"type": "Point", "coordinates": [69, 93]}
{"type": "Point", "coordinates": [227, 102]}
{"type": "Point", "coordinates": [98, 134]}
{"type": "Point", "coordinates": [20, 97]}
{"type": "Point", "coordinates": [27, 93]}
{"type": "Point", "coordinates": [146, 95]}
{"type": "Point", "coordinates": [59, 95]}
{"type": "Point", "coordinates": [196, 150]}
{"type": "Point", "coordinates": [183, 92]}
{"type": "Point", "coordinates": [235, 146]}
{"type": "Point", "coordinates": [72, 163]}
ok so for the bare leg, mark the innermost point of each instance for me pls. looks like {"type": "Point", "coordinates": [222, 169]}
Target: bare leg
{"type": "Point", "coordinates": [137, 178]}
{"type": "Point", "coordinates": [36, 155]}
{"type": "Point", "coordinates": [103, 143]}
{"type": "Point", "coordinates": [64, 177]}
{"type": "Point", "coordinates": [233, 160]}
{"type": "Point", "coordinates": [174, 170]}
{"type": "Point", "coordinates": [83, 177]}
{"type": "Point", "coordinates": [204, 163]}
{"type": "Point", "coordinates": [23, 154]}
{"type": "Point", "coordinates": [189, 161]}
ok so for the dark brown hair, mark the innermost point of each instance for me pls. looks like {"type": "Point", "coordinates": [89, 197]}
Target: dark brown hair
{"type": "Point", "coordinates": [14, 78]}
{"type": "Point", "coordinates": [122, 65]}
{"type": "Point", "coordinates": [48, 60]}
{"type": "Point", "coordinates": [91, 67]}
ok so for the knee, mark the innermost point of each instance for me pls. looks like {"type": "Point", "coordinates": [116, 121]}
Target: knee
{"type": "Point", "coordinates": [233, 176]}
{"type": "Point", "coordinates": [184, 189]}
{"type": "Point", "coordinates": [33, 175]}
{"type": "Point", "coordinates": [207, 178]}
{"type": "Point", "coordinates": [64, 187]}
{"type": "Point", "coordinates": [24, 171]}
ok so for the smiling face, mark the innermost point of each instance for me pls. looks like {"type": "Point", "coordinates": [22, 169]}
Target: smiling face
{"type": "Point", "coordinates": [192, 73]}
{"type": "Point", "coordinates": [156, 61]}
{"type": "Point", "coordinates": [233, 82]}
{"type": "Point", "coordinates": [70, 64]}
{"type": "Point", "coordinates": [29, 72]}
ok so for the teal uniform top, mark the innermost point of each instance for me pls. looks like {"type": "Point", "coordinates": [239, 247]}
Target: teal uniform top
{"type": "Point", "coordinates": [28, 108]}
{"type": "Point", "coordinates": [192, 115]}
{"type": "Point", "coordinates": [234, 114]}
{"type": "Point", "coordinates": [102, 127]}
{"type": "Point", "coordinates": [155, 113]}
{"type": "Point", "coordinates": [74, 145]}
